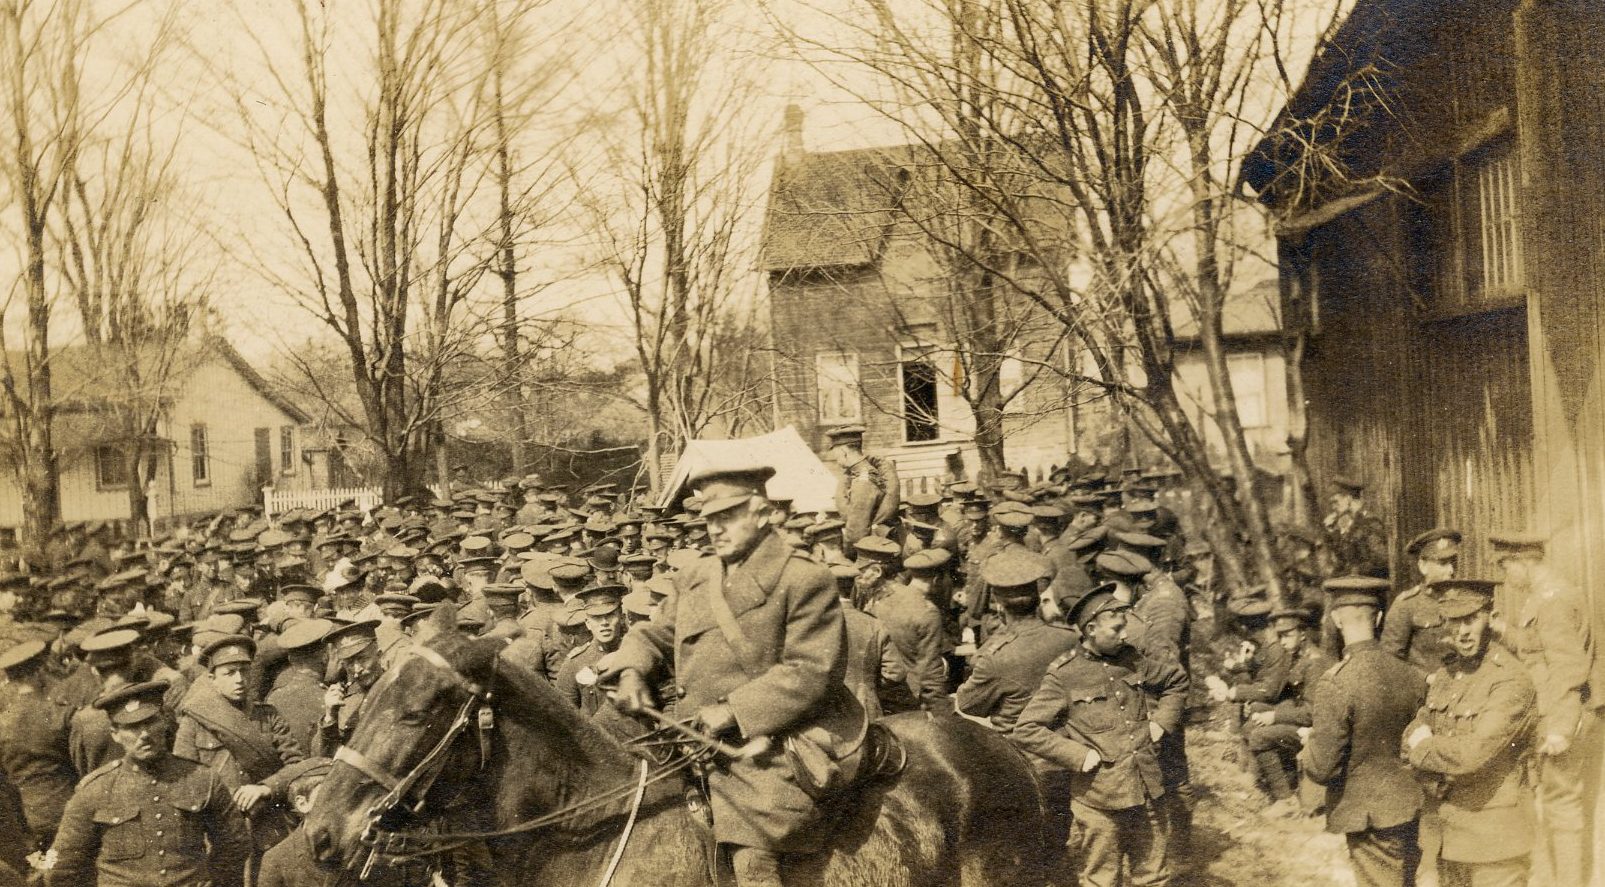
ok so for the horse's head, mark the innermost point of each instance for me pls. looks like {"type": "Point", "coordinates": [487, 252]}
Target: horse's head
{"type": "Point", "coordinates": [418, 722]}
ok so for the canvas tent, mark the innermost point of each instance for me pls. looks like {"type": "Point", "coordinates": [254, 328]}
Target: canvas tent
{"type": "Point", "coordinates": [799, 474]}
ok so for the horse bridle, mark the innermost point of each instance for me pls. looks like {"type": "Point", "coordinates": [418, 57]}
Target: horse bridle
{"type": "Point", "coordinates": [417, 781]}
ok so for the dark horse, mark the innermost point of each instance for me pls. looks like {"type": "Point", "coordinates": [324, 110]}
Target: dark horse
{"type": "Point", "coordinates": [965, 811]}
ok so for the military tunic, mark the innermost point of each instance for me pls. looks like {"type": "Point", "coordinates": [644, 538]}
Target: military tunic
{"type": "Point", "coordinates": [297, 696]}
{"type": "Point", "coordinates": [33, 756]}
{"type": "Point", "coordinates": [194, 740]}
{"type": "Point", "coordinates": [588, 699]}
{"type": "Point", "coordinates": [169, 823]}
{"type": "Point", "coordinates": [1413, 630]}
{"type": "Point", "coordinates": [915, 639]}
{"type": "Point", "coordinates": [1353, 750]}
{"type": "Point", "coordinates": [1481, 714]}
{"type": "Point", "coordinates": [1009, 667]}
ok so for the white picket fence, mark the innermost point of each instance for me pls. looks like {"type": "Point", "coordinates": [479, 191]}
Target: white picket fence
{"type": "Point", "coordinates": [275, 501]}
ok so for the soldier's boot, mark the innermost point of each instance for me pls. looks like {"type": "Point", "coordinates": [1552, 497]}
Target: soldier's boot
{"type": "Point", "coordinates": [755, 867]}
{"type": "Point", "coordinates": [1273, 773]}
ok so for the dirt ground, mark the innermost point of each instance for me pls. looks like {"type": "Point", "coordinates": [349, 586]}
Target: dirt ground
{"type": "Point", "coordinates": [1234, 841]}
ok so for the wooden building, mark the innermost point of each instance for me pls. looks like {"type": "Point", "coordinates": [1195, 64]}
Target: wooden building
{"type": "Point", "coordinates": [1453, 282]}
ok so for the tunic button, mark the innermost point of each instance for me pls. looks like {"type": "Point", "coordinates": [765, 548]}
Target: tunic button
{"type": "Point", "coordinates": [158, 816]}
{"type": "Point", "coordinates": [116, 819]}
{"type": "Point", "coordinates": [161, 853]}
{"type": "Point", "coordinates": [158, 833]}
{"type": "Point", "coordinates": [156, 798]}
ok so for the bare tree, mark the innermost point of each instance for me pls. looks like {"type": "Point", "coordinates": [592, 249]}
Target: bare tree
{"type": "Point", "coordinates": [382, 189]}
{"type": "Point", "coordinates": [669, 202]}
{"type": "Point", "coordinates": [77, 77]}
{"type": "Point", "coordinates": [1136, 115]}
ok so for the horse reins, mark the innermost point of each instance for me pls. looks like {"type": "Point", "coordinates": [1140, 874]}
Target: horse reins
{"type": "Point", "coordinates": [397, 844]}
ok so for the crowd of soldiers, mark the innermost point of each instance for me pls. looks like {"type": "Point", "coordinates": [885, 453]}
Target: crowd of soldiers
{"type": "Point", "coordinates": [170, 708]}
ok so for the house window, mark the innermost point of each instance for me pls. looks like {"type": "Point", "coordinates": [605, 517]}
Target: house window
{"type": "Point", "coordinates": [200, 456]}
{"type": "Point", "coordinates": [1467, 232]}
{"type": "Point", "coordinates": [921, 417]}
{"type": "Point", "coordinates": [1247, 373]}
{"type": "Point", "coordinates": [111, 468]}
{"type": "Point", "coordinates": [1496, 266]}
{"type": "Point", "coordinates": [838, 389]}
{"type": "Point", "coordinates": [287, 449]}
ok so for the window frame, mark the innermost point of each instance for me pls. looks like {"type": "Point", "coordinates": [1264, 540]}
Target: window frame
{"type": "Point", "coordinates": [203, 458]}
{"type": "Point", "coordinates": [1262, 390]}
{"type": "Point", "coordinates": [103, 485]}
{"type": "Point", "coordinates": [851, 389]}
{"type": "Point", "coordinates": [287, 450]}
{"type": "Point", "coordinates": [1452, 232]}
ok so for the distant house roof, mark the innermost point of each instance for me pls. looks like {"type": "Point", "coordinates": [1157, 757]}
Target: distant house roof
{"type": "Point", "coordinates": [84, 381]}
{"type": "Point", "coordinates": [831, 209]}
{"type": "Point", "coordinates": [1255, 311]}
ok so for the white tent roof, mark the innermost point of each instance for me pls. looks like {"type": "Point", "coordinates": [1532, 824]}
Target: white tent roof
{"type": "Point", "coordinates": [799, 474]}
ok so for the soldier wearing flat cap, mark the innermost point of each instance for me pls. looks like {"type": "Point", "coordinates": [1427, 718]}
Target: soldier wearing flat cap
{"type": "Point", "coordinates": [869, 494]}
{"type": "Point", "coordinates": [758, 638]}
{"type": "Point", "coordinates": [604, 619]}
{"type": "Point", "coordinates": [879, 560]}
{"type": "Point", "coordinates": [246, 744]}
{"type": "Point", "coordinates": [1552, 635]}
{"type": "Point", "coordinates": [113, 656]}
{"type": "Point", "coordinates": [1413, 630]}
{"type": "Point", "coordinates": [149, 817]}
{"type": "Point", "coordinates": [1356, 540]}
{"type": "Point", "coordinates": [1099, 713]}
{"type": "Point", "coordinates": [1010, 521]}
{"type": "Point", "coordinates": [297, 693]}
{"type": "Point", "coordinates": [1009, 664]}
{"type": "Point", "coordinates": [1361, 707]}
{"type": "Point", "coordinates": [1470, 742]}
{"type": "Point", "coordinates": [826, 544]}
{"type": "Point", "coordinates": [34, 741]}
{"type": "Point", "coordinates": [1271, 729]}
{"type": "Point", "coordinates": [353, 651]}
{"type": "Point", "coordinates": [916, 636]}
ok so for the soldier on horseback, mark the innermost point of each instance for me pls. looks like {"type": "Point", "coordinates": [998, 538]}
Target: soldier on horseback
{"type": "Point", "coordinates": [757, 641]}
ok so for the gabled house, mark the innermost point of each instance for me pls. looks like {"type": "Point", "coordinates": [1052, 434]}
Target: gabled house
{"type": "Point", "coordinates": [221, 435]}
{"type": "Point", "coordinates": [863, 328]}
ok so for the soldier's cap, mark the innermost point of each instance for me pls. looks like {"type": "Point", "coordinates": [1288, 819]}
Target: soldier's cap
{"type": "Point", "coordinates": [923, 500]}
{"type": "Point", "coordinates": [1099, 600]}
{"type": "Point", "coordinates": [639, 602]}
{"type": "Point", "coordinates": [20, 654]}
{"type": "Point", "coordinates": [638, 559]}
{"type": "Point", "coordinates": [1049, 511]}
{"type": "Point", "coordinates": [242, 607]}
{"type": "Point", "coordinates": [927, 560]}
{"type": "Point", "coordinates": [474, 545]}
{"type": "Point", "coordinates": [1140, 541]}
{"type": "Point", "coordinates": [1462, 597]}
{"type": "Point", "coordinates": [877, 550]}
{"type": "Point", "coordinates": [1348, 484]}
{"type": "Point", "coordinates": [465, 514]}
{"type": "Point", "coordinates": [976, 508]}
{"type": "Point", "coordinates": [110, 645]}
{"type": "Point", "coordinates": [1507, 542]}
{"type": "Point", "coordinates": [351, 639]}
{"type": "Point", "coordinates": [601, 600]}
{"type": "Point", "coordinates": [337, 539]}
{"type": "Point", "coordinates": [303, 769]}
{"type": "Point", "coordinates": [1126, 564]}
{"type": "Point", "coordinates": [473, 616]}
{"type": "Point", "coordinates": [304, 633]}
{"type": "Point", "coordinates": [843, 434]}
{"type": "Point", "coordinates": [799, 522]}
{"type": "Point", "coordinates": [629, 527]}
{"type": "Point", "coordinates": [1249, 605]}
{"type": "Point", "coordinates": [598, 524]}
{"type": "Point", "coordinates": [1015, 570]}
{"type": "Point", "coordinates": [1015, 518]}
{"type": "Point", "coordinates": [823, 528]}
{"type": "Point", "coordinates": [573, 617]}
{"type": "Point", "coordinates": [1142, 506]}
{"type": "Point", "coordinates": [396, 598]}
{"type": "Point", "coordinates": [133, 703]}
{"type": "Point", "coordinates": [1299, 615]}
{"type": "Point", "coordinates": [569, 573]}
{"type": "Point", "coordinates": [722, 486]}
{"type": "Point", "coordinates": [479, 562]}
{"type": "Point", "coordinates": [228, 650]}
{"type": "Point", "coordinates": [503, 592]}
{"type": "Point", "coordinates": [1436, 544]}
{"type": "Point", "coordinates": [298, 592]}
{"type": "Point", "coordinates": [273, 538]}
{"type": "Point", "coordinates": [419, 612]}
{"type": "Point", "coordinates": [137, 620]}
{"type": "Point", "coordinates": [1091, 537]}
{"type": "Point", "coordinates": [1355, 591]}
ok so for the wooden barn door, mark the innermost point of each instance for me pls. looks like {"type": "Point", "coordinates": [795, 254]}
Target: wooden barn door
{"type": "Point", "coordinates": [1477, 431]}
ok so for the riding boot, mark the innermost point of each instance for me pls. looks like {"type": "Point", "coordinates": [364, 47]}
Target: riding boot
{"type": "Point", "coordinates": [755, 867]}
{"type": "Point", "coordinates": [1274, 773]}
